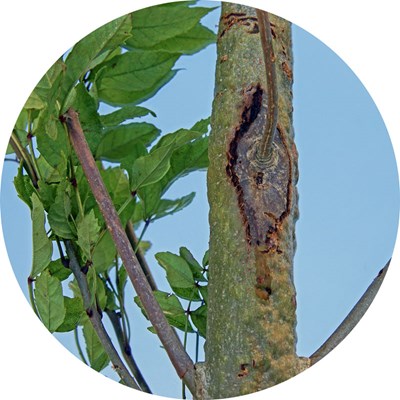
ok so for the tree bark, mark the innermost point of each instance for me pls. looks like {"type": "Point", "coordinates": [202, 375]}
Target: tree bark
{"type": "Point", "coordinates": [251, 337]}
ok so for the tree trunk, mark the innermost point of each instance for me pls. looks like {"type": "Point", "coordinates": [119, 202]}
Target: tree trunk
{"type": "Point", "coordinates": [251, 337]}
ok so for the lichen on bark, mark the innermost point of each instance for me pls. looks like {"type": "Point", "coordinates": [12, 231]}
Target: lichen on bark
{"type": "Point", "coordinates": [251, 336]}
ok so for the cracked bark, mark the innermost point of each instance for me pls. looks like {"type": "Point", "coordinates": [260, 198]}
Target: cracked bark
{"type": "Point", "coordinates": [251, 324]}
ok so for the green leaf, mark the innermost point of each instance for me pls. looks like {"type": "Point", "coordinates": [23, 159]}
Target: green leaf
{"type": "Point", "coordinates": [169, 207]}
{"type": "Point", "coordinates": [23, 186]}
{"type": "Point", "coordinates": [123, 114]}
{"type": "Point", "coordinates": [124, 140]}
{"type": "Point", "coordinates": [190, 157]}
{"type": "Point", "coordinates": [49, 300]}
{"type": "Point", "coordinates": [47, 88]}
{"type": "Point", "coordinates": [199, 319]}
{"type": "Point", "coordinates": [201, 126]}
{"type": "Point", "coordinates": [197, 270]}
{"type": "Point", "coordinates": [98, 358]}
{"type": "Point", "coordinates": [204, 293]}
{"type": "Point", "coordinates": [88, 232]}
{"type": "Point", "coordinates": [47, 193]}
{"type": "Point", "coordinates": [41, 244]}
{"type": "Point", "coordinates": [49, 173]}
{"type": "Point", "coordinates": [111, 300]}
{"type": "Point", "coordinates": [56, 148]}
{"type": "Point", "coordinates": [205, 259]}
{"type": "Point", "coordinates": [154, 25]}
{"type": "Point", "coordinates": [150, 168]}
{"type": "Point", "coordinates": [177, 138]}
{"type": "Point", "coordinates": [172, 309]}
{"type": "Point", "coordinates": [73, 314]}
{"type": "Point", "coordinates": [85, 54]}
{"type": "Point", "coordinates": [104, 252]}
{"type": "Point", "coordinates": [134, 76]}
{"type": "Point", "coordinates": [57, 269]}
{"type": "Point", "coordinates": [59, 212]}
{"type": "Point", "coordinates": [179, 274]}
{"type": "Point", "coordinates": [117, 185]}
{"type": "Point", "coordinates": [189, 42]}
{"type": "Point", "coordinates": [191, 294]}
{"type": "Point", "coordinates": [97, 289]}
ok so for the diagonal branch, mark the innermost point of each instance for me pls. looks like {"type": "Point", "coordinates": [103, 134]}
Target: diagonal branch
{"type": "Point", "coordinates": [180, 359]}
{"type": "Point", "coordinates": [352, 318]}
{"type": "Point", "coordinates": [126, 350]}
{"type": "Point", "coordinates": [95, 319]}
{"type": "Point", "coordinates": [139, 255]}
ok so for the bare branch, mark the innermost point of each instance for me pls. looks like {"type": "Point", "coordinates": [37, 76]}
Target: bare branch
{"type": "Point", "coordinates": [180, 359]}
{"type": "Point", "coordinates": [352, 318]}
{"type": "Point", "coordinates": [126, 350]}
{"type": "Point", "coordinates": [140, 256]}
{"type": "Point", "coordinates": [95, 319]}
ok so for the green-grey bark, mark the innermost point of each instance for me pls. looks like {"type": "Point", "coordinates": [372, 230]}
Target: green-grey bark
{"type": "Point", "coordinates": [251, 339]}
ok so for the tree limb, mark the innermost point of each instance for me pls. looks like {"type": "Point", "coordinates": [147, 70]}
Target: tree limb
{"type": "Point", "coordinates": [95, 319]}
{"type": "Point", "coordinates": [180, 359]}
{"type": "Point", "coordinates": [126, 350]}
{"type": "Point", "coordinates": [352, 318]}
{"type": "Point", "coordinates": [139, 255]}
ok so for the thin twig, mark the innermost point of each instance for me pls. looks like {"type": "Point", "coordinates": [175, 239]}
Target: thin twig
{"type": "Point", "coordinates": [95, 319]}
{"type": "Point", "coordinates": [352, 318]}
{"type": "Point", "coordinates": [269, 63]}
{"type": "Point", "coordinates": [126, 350]}
{"type": "Point", "coordinates": [180, 359]}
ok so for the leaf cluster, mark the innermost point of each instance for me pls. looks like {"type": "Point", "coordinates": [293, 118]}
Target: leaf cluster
{"type": "Point", "coordinates": [120, 64]}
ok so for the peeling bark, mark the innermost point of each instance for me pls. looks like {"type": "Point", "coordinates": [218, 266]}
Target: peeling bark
{"type": "Point", "coordinates": [251, 324]}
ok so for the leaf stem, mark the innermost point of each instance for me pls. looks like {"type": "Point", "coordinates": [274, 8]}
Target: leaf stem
{"type": "Point", "coordinates": [180, 359]}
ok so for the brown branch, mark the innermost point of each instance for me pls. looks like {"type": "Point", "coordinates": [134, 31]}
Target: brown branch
{"type": "Point", "coordinates": [180, 359]}
{"type": "Point", "coordinates": [95, 319]}
{"type": "Point", "coordinates": [133, 240]}
{"type": "Point", "coordinates": [127, 351]}
{"type": "Point", "coordinates": [352, 318]}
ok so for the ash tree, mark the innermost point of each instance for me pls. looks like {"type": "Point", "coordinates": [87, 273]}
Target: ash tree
{"type": "Point", "coordinates": [95, 181]}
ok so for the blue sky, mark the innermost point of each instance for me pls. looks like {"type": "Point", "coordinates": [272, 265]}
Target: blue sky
{"type": "Point", "coordinates": [348, 189]}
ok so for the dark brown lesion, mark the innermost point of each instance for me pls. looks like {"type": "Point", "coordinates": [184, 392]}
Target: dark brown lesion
{"type": "Point", "coordinates": [232, 19]}
{"type": "Point", "coordinates": [263, 190]}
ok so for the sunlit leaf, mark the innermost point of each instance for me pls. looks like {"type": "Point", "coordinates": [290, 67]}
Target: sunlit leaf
{"type": "Point", "coordinates": [197, 270]}
{"type": "Point", "coordinates": [179, 274]}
